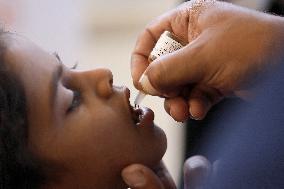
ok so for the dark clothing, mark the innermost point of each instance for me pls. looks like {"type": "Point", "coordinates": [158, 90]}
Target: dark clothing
{"type": "Point", "coordinates": [252, 148]}
{"type": "Point", "coordinates": [199, 131]}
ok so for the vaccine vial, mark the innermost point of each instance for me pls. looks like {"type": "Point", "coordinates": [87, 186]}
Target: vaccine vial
{"type": "Point", "coordinates": [166, 44]}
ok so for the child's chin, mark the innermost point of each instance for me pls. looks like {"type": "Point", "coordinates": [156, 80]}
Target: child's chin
{"type": "Point", "coordinates": [158, 149]}
{"type": "Point", "coordinates": [162, 142]}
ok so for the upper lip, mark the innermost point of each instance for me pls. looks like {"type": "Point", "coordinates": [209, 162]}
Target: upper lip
{"type": "Point", "coordinates": [123, 91]}
{"type": "Point", "coordinates": [133, 113]}
{"type": "Point", "coordinates": [126, 92]}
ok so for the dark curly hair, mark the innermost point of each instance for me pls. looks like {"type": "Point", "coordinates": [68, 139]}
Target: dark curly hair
{"type": "Point", "coordinates": [19, 169]}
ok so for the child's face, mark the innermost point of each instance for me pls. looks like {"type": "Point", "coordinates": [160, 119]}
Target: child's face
{"type": "Point", "coordinates": [78, 119]}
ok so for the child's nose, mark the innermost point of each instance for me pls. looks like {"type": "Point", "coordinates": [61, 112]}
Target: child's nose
{"type": "Point", "coordinates": [100, 80]}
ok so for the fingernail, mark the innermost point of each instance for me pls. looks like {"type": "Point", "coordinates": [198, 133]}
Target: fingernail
{"type": "Point", "coordinates": [147, 86]}
{"type": "Point", "coordinates": [197, 170]}
{"type": "Point", "coordinates": [134, 178]}
{"type": "Point", "coordinates": [193, 116]}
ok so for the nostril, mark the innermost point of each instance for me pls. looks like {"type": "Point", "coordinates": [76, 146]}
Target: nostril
{"type": "Point", "coordinates": [102, 81]}
{"type": "Point", "coordinates": [111, 81]}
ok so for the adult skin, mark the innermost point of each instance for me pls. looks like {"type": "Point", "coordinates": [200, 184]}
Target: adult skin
{"type": "Point", "coordinates": [229, 47]}
{"type": "Point", "coordinates": [197, 170]}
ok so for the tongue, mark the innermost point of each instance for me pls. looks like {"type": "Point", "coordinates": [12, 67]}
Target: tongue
{"type": "Point", "coordinates": [136, 115]}
{"type": "Point", "coordinates": [147, 117]}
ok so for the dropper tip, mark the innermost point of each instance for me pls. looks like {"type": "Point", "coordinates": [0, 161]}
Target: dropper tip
{"type": "Point", "coordinates": [140, 96]}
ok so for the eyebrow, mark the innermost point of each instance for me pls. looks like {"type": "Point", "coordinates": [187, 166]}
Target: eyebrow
{"type": "Point", "coordinates": [56, 75]}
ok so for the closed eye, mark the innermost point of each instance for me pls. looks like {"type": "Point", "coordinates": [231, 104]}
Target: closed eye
{"type": "Point", "coordinates": [74, 67]}
{"type": "Point", "coordinates": [75, 103]}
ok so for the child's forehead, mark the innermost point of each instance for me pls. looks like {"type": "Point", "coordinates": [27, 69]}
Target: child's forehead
{"type": "Point", "coordinates": [24, 58]}
{"type": "Point", "coordinates": [11, 48]}
{"type": "Point", "coordinates": [14, 45]}
{"type": "Point", "coordinates": [9, 45]}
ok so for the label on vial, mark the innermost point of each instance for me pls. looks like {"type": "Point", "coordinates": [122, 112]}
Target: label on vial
{"type": "Point", "coordinates": [165, 45]}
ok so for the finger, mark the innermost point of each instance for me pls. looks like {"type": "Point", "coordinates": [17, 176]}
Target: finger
{"type": "Point", "coordinates": [197, 169]}
{"type": "Point", "coordinates": [201, 100]}
{"type": "Point", "coordinates": [140, 177]}
{"type": "Point", "coordinates": [177, 108]}
{"type": "Point", "coordinates": [181, 21]}
{"type": "Point", "coordinates": [144, 45]}
{"type": "Point", "coordinates": [180, 68]}
{"type": "Point", "coordinates": [165, 177]}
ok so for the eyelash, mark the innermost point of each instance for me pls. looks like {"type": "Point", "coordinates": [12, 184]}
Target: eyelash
{"type": "Point", "coordinates": [74, 67]}
{"type": "Point", "coordinates": [76, 101]}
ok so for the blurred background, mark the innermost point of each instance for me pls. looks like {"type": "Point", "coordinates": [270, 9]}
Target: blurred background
{"type": "Point", "coordinates": [98, 33]}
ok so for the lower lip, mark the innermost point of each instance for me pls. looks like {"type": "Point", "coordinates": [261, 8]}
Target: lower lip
{"type": "Point", "coordinates": [147, 118]}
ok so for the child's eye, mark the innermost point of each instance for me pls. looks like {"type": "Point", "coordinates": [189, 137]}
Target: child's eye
{"type": "Point", "coordinates": [76, 101]}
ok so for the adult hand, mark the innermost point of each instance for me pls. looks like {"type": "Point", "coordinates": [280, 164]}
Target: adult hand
{"type": "Point", "coordinates": [228, 48]}
{"type": "Point", "coordinates": [197, 169]}
{"type": "Point", "coordinates": [138, 176]}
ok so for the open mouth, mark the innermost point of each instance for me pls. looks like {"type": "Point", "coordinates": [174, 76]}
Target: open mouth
{"type": "Point", "coordinates": [136, 114]}
{"type": "Point", "coordinates": [140, 116]}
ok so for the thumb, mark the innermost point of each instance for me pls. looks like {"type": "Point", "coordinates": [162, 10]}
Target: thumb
{"type": "Point", "coordinates": [197, 169]}
{"type": "Point", "coordinates": [173, 70]}
{"type": "Point", "coordinates": [138, 176]}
